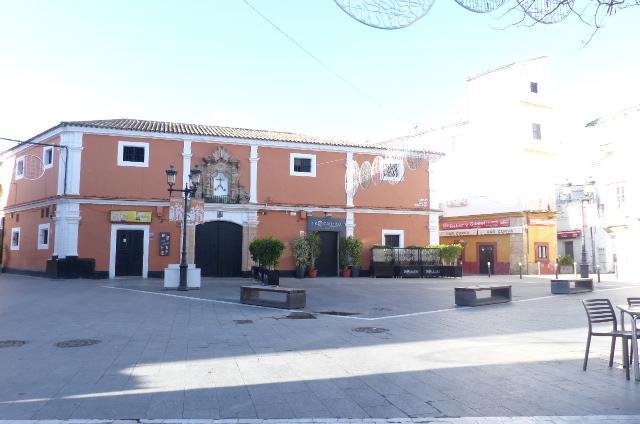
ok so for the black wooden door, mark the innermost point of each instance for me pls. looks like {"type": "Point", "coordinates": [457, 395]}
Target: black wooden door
{"type": "Point", "coordinates": [129, 251]}
{"type": "Point", "coordinates": [486, 255]}
{"type": "Point", "coordinates": [219, 249]}
{"type": "Point", "coordinates": [328, 260]}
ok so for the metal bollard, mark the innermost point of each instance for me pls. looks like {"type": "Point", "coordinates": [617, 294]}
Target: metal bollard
{"type": "Point", "coordinates": [598, 271]}
{"type": "Point", "coordinates": [538, 267]}
{"type": "Point", "coordinates": [489, 269]}
{"type": "Point", "coordinates": [575, 269]}
{"type": "Point", "coordinates": [556, 268]}
{"type": "Point", "coordinates": [520, 267]}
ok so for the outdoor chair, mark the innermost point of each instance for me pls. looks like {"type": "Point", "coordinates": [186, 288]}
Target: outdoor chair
{"type": "Point", "coordinates": [601, 311]}
{"type": "Point", "coordinates": [633, 301]}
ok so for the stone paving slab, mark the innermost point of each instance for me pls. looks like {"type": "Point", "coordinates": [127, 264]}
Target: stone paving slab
{"type": "Point", "coordinates": [167, 357]}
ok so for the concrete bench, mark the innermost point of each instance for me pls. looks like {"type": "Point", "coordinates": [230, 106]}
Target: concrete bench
{"type": "Point", "coordinates": [293, 298]}
{"type": "Point", "coordinates": [468, 296]}
{"type": "Point", "coordinates": [569, 286]}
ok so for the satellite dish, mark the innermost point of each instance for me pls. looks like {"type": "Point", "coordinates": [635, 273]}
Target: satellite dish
{"type": "Point", "coordinates": [386, 14]}
{"type": "Point", "coordinates": [365, 174]}
{"type": "Point", "coordinates": [33, 167]}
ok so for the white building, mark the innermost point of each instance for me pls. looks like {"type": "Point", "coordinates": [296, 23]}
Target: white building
{"type": "Point", "coordinates": [617, 178]}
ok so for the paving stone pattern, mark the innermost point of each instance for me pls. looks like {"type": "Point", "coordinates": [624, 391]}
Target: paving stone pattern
{"type": "Point", "coordinates": [164, 357]}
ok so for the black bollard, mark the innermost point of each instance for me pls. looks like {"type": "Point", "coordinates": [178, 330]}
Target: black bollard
{"type": "Point", "coordinates": [489, 269]}
{"type": "Point", "coordinates": [598, 270]}
{"type": "Point", "coordinates": [520, 267]}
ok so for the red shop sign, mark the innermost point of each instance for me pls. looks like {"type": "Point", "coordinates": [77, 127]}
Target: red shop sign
{"type": "Point", "coordinates": [568, 234]}
{"type": "Point", "coordinates": [476, 223]}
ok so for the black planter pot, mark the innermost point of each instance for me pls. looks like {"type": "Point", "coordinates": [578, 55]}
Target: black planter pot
{"type": "Point", "coordinates": [355, 271]}
{"type": "Point", "coordinates": [272, 277]}
{"type": "Point", "coordinates": [300, 271]}
{"type": "Point", "coordinates": [255, 273]}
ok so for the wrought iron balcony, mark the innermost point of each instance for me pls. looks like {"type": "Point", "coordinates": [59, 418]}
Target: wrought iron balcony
{"type": "Point", "coordinates": [223, 199]}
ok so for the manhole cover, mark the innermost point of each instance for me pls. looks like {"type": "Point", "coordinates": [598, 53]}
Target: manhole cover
{"type": "Point", "coordinates": [339, 314]}
{"type": "Point", "coordinates": [300, 315]}
{"type": "Point", "coordinates": [77, 343]}
{"type": "Point", "coordinates": [12, 343]}
{"type": "Point", "coordinates": [371, 330]}
{"type": "Point", "coordinates": [243, 321]}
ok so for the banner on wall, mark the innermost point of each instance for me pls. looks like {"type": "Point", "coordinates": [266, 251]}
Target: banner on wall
{"type": "Point", "coordinates": [477, 223]}
{"type": "Point", "coordinates": [131, 216]}
{"type": "Point", "coordinates": [195, 214]}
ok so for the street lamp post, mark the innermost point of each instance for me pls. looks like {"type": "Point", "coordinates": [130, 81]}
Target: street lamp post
{"type": "Point", "coordinates": [584, 266]}
{"type": "Point", "coordinates": [189, 190]}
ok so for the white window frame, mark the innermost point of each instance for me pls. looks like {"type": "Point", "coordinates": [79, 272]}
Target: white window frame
{"type": "Point", "coordinates": [393, 233]}
{"type": "Point", "coordinates": [123, 144]}
{"type": "Point", "coordinates": [14, 231]}
{"type": "Point", "coordinates": [401, 169]}
{"type": "Point", "coordinates": [45, 149]}
{"type": "Point", "coordinates": [292, 158]}
{"type": "Point", "coordinates": [18, 160]}
{"type": "Point", "coordinates": [44, 246]}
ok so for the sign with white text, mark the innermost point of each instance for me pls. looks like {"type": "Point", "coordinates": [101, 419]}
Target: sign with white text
{"type": "Point", "coordinates": [500, 230]}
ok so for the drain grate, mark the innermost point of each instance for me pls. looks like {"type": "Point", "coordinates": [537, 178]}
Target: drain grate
{"type": "Point", "coordinates": [77, 343]}
{"type": "Point", "coordinates": [339, 314]}
{"type": "Point", "coordinates": [12, 343]}
{"type": "Point", "coordinates": [243, 321]}
{"type": "Point", "coordinates": [300, 315]}
{"type": "Point", "coordinates": [371, 330]}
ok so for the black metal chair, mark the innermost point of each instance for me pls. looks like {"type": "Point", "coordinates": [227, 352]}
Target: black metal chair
{"type": "Point", "coordinates": [601, 311]}
{"type": "Point", "coordinates": [633, 301]}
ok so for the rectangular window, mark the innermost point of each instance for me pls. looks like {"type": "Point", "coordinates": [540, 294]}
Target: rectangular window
{"type": "Point", "coordinates": [302, 165]}
{"type": "Point", "coordinates": [47, 156]}
{"type": "Point", "coordinates": [15, 239]}
{"type": "Point", "coordinates": [568, 248]}
{"type": "Point", "coordinates": [43, 236]}
{"type": "Point", "coordinates": [542, 251]}
{"type": "Point", "coordinates": [537, 132]}
{"type": "Point", "coordinates": [533, 86]}
{"type": "Point", "coordinates": [19, 168]}
{"type": "Point", "coordinates": [131, 153]}
{"type": "Point", "coordinates": [393, 238]}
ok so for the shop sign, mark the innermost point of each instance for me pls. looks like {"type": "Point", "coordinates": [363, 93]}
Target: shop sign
{"type": "Point", "coordinates": [569, 234]}
{"type": "Point", "coordinates": [131, 216]}
{"type": "Point", "coordinates": [456, 233]}
{"type": "Point", "coordinates": [541, 221]}
{"type": "Point", "coordinates": [326, 224]}
{"type": "Point", "coordinates": [476, 223]}
{"type": "Point", "coordinates": [501, 230]}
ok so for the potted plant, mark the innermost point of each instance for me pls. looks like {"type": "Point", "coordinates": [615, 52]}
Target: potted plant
{"type": "Point", "coordinates": [566, 265]}
{"type": "Point", "coordinates": [302, 255]}
{"type": "Point", "coordinates": [314, 253]}
{"type": "Point", "coordinates": [271, 252]}
{"type": "Point", "coordinates": [355, 252]}
{"type": "Point", "coordinates": [255, 248]}
{"type": "Point", "coordinates": [344, 257]}
{"type": "Point", "coordinates": [449, 253]}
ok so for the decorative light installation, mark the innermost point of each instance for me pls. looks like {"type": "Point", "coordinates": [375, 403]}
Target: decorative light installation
{"type": "Point", "coordinates": [397, 14]}
{"type": "Point", "coordinates": [386, 14]}
{"type": "Point", "coordinates": [481, 6]}
{"type": "Point", "coordinates": [547, 11]}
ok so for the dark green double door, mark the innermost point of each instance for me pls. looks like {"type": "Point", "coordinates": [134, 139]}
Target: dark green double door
{"type": "Point", "coordinates": [219, 249]}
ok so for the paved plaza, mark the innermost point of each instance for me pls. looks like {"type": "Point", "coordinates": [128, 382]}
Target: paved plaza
{"type": "Point", "coordinates": [369, 350]}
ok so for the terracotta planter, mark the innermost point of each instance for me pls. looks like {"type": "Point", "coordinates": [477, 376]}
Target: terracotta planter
{"type": "Point", "coordinates": [313, 273]}
{"type": "Point", "coordinates": [346, 272]}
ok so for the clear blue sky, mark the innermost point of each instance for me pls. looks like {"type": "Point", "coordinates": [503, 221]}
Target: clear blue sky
{"type": "Point", "coordinates": [217, 62]}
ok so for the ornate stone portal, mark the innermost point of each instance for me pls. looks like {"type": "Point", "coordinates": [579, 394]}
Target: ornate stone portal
{"type": "Point", "coordinates": [220, 176]}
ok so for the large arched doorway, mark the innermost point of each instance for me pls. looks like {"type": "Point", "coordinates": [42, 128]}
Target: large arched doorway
{"type": "Point", "coordinates": [219, 249]}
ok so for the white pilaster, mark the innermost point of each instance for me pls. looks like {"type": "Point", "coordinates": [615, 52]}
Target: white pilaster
{"type": "Point", "coordinates": [253, 160]}
{"type": "Point", "coordinates": [350, 223]}
{"type": "Point", "coordinates": [70, 160]}
{"type": "Point", "coordinates": [349, 187]}
{"type": "Point", "coordinates": [434, 229]}
{"type": "Point", "coordinates": [67, 220]}
{"type": "Point", "coordinates": [186, 162]}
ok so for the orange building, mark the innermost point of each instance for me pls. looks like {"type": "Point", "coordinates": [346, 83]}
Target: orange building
{"type": "Point", "coordinates": [100, 205]}
{"type": "Point", "coordinates": [504, 241]}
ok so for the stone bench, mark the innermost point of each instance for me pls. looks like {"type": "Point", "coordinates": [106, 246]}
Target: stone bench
{"type": "Point", "coordinates": [293, 298]}
{"type": "Point", "coordinates": [468, 296]}
{"type": "Point", "coordinates": [570, 286]}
